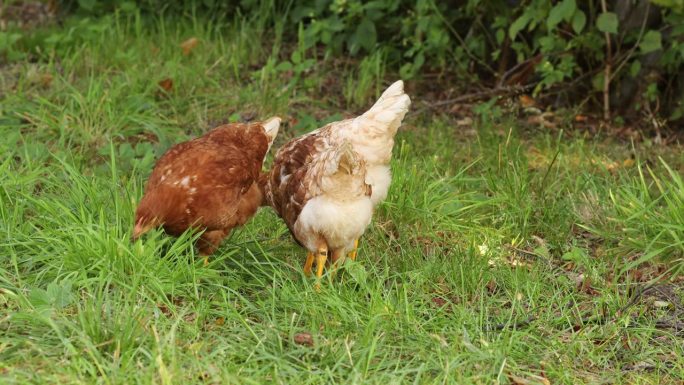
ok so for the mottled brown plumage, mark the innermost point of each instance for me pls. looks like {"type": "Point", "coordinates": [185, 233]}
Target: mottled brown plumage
{"type": "Point", "coordinates": [210, 183]}
{"type": "Point", "coordinates": [292, 162]}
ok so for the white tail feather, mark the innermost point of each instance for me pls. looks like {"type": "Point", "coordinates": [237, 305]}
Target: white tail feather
{"type": "Point", "coordinates": [388, 112]}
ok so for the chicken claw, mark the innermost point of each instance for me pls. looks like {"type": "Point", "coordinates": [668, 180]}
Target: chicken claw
{"type": "Point", "coordinates": [321, 257]}
{"type": "Point", "coordinates": [308, 263]}
{"type": "Point", "coordinates": [352, 254]}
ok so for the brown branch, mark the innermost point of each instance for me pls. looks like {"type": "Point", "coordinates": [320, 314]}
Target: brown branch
{"type": "Point", "coordinates": [636, 44]}
{"type": "Point", "coordinates": [606, 75]}
{"type": "Point", "coordinates": [486, 94]}
{"type": "Point", "coordinates": [461, 41]}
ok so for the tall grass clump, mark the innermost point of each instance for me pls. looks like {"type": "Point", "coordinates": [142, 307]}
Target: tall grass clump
{"type": "Point", "coordinates": [648, 214]}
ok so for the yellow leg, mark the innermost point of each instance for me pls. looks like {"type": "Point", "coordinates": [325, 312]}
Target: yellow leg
{"type": "Point", "coordinates": [308, 263]}
{"type": "Point", "coordinates": [205, 260]}
{"type": "Point", "coordinates": [321, 257]}
{"type": "Point", "coordinates": [352, 254]}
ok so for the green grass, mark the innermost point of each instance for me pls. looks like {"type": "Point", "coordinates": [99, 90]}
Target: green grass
{"type": "Point", "coordinates": [506, 254]}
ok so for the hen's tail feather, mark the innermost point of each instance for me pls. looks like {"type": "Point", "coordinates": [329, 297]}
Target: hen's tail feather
{"type": "Point", "coordinates": [388, 112]}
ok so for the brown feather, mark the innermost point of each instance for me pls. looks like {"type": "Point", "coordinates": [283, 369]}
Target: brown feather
{"type": "Point", "coordinates": [209, 183]}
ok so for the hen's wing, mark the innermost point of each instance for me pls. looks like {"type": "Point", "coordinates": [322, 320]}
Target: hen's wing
{"type": "Point", "coordinates": [203, 179]}
{"type": "Point", "coordinates": [289, 187]}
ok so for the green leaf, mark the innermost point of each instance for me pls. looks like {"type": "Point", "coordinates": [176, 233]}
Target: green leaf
{"type": "Point", "coordinates": [39, 298]}
{"type": "Point", "coordinates": [418, 61]}
{"type": "Point", "coordinates": [59, 295]}
{"type": "Point", "coordinates": [518, 25]}
{"type": "Point", "coordinates": [543, 251]}
{"type": "Point", "coordinates": [635, 68]}
{"type": "Point", "coordinates": [366, 36]}
{"type": "Point", "coordinates": [88, 5]}
{"type": "Point", "coordinates": [500, 35]}
{"type": "Point", "coordinates": [283, 66]}
{"type": "Point", "coordinates": [406, 71]}
{"type": "Point", "coordinates": [576, 254]}
{"type": "Point", "coordinates": [235, 117]}
{"type": "Point", "coordinates": [579, 20]}
{"type": "Point", "coordinates": [128, 7]}
{"type": "Point", "coordinates": [357, 271]}
{"type": "Point", "coordinates": [597, 81]}
{"type": "Point", "coordinates": [677, 5]}
{"type": "Point", "coordinates": [8, 39]}
{"type": "Point", "coordinates": [305, 65]}
{"type": "Point", "coordinates": [296, 57]}
{"type": "Point", "coordinates": [561, 11]}
{"type": "Point", "coordinates": [652, 41]}
{"type": "Point", "coordinates": [607, 22]}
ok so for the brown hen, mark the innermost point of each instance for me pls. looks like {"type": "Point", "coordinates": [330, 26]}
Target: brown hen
{"type": "Point", "coordinates": [208, 184]}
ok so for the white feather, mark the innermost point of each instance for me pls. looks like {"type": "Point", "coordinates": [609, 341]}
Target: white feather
{"type": "Point", "coordinates": [338, 222]}
{"type": "Point", "coordinates": [380, 178]}
{"type": "Point", "coordinates": [387, 113]}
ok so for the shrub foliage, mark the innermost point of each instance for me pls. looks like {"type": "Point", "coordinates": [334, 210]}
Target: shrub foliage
{"type": "Point", "coordinates": [622, 56]}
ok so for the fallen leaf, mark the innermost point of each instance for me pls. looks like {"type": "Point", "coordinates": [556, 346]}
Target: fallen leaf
{"type": "Point", "coordinates": [467, 121]}
{"type": "Point", "coordinates": [527, 101]}
{"type": "Point", "coordinates": [581, 118]}
{"type": "Point", "coordinates": [629, 162]}
{"type": "Point", "coordinates": [165, 310]}
{"type": "Point", "coordinates": [515, 262]}
{"type": "Point", "coordinates": [219, 321]}
{"type": "Point", "coordinates": [491, 286]}
{"type": "Point", "coordinates": [304, 339]}
{"type": "Point", "coordinates": [641, 366]}
{"type": "Point", "coordinates": [46, 80]}
{"type": "Point", "coordinates": [528, 381]}
{"type": "Point", "coordinates": [248, 116]}
{"type": "Point", "coordinates": [166, 84]}
{"type": "Point", "coordinates": [584, 285]}
{"type": "Point", "coordinates": [611, 166]}
{"type": "Point", "coordinates": [188, 45]}
{"type": "Point", "coordinates": [661, 304]}
{"type": "Point", "coordinates": [545, 119]}
{"type": "Point", "coordinates": [439, 301]}
{"type": "Point", "coordinates": [544, 378]}
{"type": "Point", "coordinates": [441, 339]}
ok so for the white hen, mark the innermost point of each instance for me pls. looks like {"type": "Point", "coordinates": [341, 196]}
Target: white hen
{"type": "Point", "coordinates": [371, 136]}
{"type": "Point", "coordinates": [319, 189]}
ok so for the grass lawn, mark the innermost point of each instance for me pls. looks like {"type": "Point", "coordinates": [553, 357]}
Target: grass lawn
{"type": "Point", "coordinates": [504, 253]}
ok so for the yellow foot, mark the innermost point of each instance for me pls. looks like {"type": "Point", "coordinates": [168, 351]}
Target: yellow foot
{"type": "Point", "coordinates": [308, 263]}
{"type": "Point", "coordinates": [352, 254]}
{"type": "Point", "coordinates": [205, 260]}
{"type": "Point", "coordinates": [321, 257]}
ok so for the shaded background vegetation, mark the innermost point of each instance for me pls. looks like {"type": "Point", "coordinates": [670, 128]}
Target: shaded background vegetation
{"type": "Point", "coordinates": [621, 59]}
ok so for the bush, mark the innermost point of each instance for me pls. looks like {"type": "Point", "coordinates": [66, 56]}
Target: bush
{"type": "Point", "coordinates": [563, 50]}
